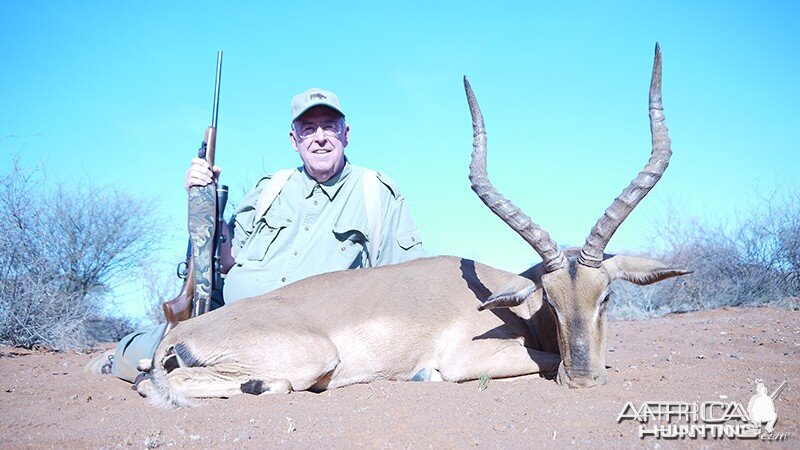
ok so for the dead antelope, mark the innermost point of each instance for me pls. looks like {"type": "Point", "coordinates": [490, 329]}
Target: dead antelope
{"type": "Point", "coordinates": [420, 319]}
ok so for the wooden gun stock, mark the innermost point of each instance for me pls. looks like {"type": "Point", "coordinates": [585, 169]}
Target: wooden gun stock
{"type": "Point", "coordinates": [180, 308]}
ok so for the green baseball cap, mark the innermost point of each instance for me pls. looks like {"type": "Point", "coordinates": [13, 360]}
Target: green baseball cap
{"type": "Point", "coordinates": [304, 101]}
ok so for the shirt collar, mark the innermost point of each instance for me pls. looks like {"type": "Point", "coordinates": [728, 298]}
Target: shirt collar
{"type": "Point", "coordinates": [331, 187]}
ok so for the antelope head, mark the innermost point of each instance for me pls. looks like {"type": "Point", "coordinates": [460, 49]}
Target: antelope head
{"type": "Point", "coordinates": [574, 284]}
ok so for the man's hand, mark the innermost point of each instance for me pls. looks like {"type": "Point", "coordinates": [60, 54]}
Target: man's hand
{"type": "Point", "coordinates": [200, 173]}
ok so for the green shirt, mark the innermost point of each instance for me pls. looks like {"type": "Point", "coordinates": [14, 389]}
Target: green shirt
{"type": "Point", "coordinates": [313, 228]}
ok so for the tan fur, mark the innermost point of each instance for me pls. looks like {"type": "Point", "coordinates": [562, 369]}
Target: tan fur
{"type": "Point", "coordinates": [390, 322]}
{"type": "Point", "coordinates": [357, 326]}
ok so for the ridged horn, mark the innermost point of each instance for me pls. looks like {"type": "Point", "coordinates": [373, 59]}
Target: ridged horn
{"type": "Point", "coordinates": [592, 251]}
{"type": "Point", "coordinates": [552, 257]}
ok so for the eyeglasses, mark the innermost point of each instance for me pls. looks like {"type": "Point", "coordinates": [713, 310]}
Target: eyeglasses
{"type": "Point", "coordinates": [330, 128]}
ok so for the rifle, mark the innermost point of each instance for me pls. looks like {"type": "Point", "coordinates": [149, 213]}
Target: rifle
{"type": "Point", "coordinates": [180, 308]}
{"type": "Point", "coordinates": [201, 270]}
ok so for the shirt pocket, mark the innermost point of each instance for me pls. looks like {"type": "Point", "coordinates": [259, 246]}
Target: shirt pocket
{"type": "Point", "coordinates": [351, 244]}
{"type": "Point", "coordinates": [408, 239]}
{"type": "Point", "coordinates": [266, 232]}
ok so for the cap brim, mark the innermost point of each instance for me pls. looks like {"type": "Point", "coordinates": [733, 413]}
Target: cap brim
{"type": "Point", "coordinates": [315, 104]}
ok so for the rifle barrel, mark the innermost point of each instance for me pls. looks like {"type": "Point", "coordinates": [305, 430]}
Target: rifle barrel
{"type": "Point", "coordinates": [216, 89]}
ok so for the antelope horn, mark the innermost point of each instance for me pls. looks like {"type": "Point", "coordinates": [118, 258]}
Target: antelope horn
{"type": "Point", "coordinates": [546, 247]}
{"type": "Point", "coordinates": [592, 251]}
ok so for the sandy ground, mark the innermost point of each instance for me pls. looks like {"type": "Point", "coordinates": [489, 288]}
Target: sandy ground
{"type": "Point", "coordinates": [699, 357]}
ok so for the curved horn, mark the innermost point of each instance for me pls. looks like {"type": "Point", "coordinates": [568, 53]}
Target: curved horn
{"type": "Point", "coordinates": [592, 251]}
{"type": "Point", "coordinates": [546, 247]}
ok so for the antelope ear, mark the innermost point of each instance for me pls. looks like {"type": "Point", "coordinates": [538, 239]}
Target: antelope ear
{"type": "Point", "coordinates": [512, 294]}
{"type": "Point", "coordinates": [639, 270]}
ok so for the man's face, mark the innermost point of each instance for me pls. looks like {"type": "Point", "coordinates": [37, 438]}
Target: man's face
{"type": "Point", "coordinates": [320, 136]}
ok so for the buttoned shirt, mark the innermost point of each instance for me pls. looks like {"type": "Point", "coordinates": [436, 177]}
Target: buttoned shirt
{"type": "Point", "coordinates": [313, 228]}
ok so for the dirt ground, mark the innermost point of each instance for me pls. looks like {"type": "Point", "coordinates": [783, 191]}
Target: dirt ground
{"type": "Point", "coordinates": [710, 356]}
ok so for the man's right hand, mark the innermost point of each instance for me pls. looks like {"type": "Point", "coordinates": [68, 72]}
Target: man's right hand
{"type": "Point", "coordinates": [200, 173]}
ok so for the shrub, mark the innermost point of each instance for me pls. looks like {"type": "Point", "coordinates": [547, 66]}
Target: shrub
{"type": "Point", "coordinates": [62, 251]}
{"type": "Point", "coordinates": [751, 261]}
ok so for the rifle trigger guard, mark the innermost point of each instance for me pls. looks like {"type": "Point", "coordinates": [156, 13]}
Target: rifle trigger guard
{"type": "Point", "coordinates": [182, 271]}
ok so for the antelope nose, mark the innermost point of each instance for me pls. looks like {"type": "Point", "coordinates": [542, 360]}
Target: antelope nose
{"type": "Point", "coordinates": [582, 381]}
{"type": "Point", "coordinates": [592, 380]}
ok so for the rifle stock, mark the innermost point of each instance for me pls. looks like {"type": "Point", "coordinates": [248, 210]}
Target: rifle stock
{"type": "Point", "coordinates": [180, 308]}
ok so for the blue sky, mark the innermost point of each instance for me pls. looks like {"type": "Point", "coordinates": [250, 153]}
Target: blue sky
{"type": "Point", "coordinates": [119, 94]}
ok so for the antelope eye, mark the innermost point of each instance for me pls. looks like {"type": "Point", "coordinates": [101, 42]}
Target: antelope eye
{"type": "Point", "coordinates": [604, 302]}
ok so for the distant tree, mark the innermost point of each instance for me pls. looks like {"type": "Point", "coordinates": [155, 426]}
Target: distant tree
{"type": "Point", "coordinates": [62, 251]}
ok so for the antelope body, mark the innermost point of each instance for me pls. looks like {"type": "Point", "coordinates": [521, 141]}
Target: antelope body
{"type": "Point", "coordinates": [422, 319]}
{"type": "Point", "coordinates": [336, 329]}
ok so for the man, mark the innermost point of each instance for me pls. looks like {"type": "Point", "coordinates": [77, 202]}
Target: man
{"type": "Point", "coordinates": [324, 216]}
